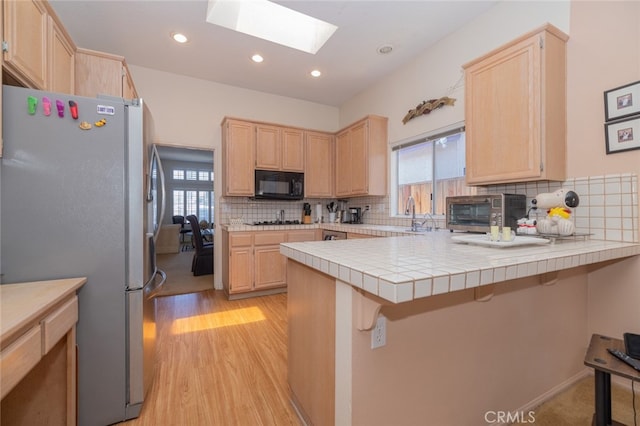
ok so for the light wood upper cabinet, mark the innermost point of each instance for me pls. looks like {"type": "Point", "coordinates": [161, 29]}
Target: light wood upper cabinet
{"type": "Point", "coordinates": [99, 73]}
{"type": "Point", "coordinates": [361, 158]}
{"type": "Point", "coordinates": [515, 111]}
{"type": "Point", "coordinates": [292, 150]}
{"type": "Point", "coordinates": [279, 148]}
{"type": "Point", "coordinates": [238, 144]}
{"type": "Point", "coordinates": [343, 157]}
{"type": "Point", "coordinates": [38, 53]}
{"type": "Point", "coordinates": [351, 163]}
{"type": "Point", "coordinates": [319, 166]}
{"type": "Point", "coordinates": [128, 88]}
{"type": "Point", "coordinates": [61, 59]}
{"type": "Point", "coordinates": [25, 41]}
{"type": "Point", "coordinates": [268, 147]}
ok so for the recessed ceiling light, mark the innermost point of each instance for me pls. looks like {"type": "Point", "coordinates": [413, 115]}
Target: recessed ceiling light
{"type": "Point", "coordinates": [180, 38]}
{"type": "Point", "coordinates": [257, 58]}
{"type": "Point", "coordinates": [384, 49]}
{"type": "Point", "coordinates": [316, 73]}
{"type": "Point", "coordinates": [270, 21]}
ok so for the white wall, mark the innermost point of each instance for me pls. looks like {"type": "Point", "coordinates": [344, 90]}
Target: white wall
{"type": "Point", "coordinates": [603, 32]}
{"type": "Point", "coordinates": [432, 74]}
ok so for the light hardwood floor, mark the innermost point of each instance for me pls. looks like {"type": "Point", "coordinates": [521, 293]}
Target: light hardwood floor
{"type": "Point", "coordinates": [220, 362]}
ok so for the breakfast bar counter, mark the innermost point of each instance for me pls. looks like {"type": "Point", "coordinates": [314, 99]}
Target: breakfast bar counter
{"type": "Point", "coordinates": [424, 329]}
{"type": "Point", "coordinates": [400, 269]}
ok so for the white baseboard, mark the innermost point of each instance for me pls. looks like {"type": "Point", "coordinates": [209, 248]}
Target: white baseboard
{"type": "Point", "coordinates": [529, 406]}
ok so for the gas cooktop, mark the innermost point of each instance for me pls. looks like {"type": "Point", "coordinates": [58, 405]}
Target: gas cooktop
{"type": "Point", "coordinates": [278, 222]}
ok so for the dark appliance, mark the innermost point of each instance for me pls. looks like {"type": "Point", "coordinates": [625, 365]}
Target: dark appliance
{"type": "Point", "coordinates": [333, 235]}
{"type": "Point", "coordinates": [353, 215]}
{"type": "Point", "coordinates": [274, 185]}
{"type": "Point", "coordinates": [477, 213]}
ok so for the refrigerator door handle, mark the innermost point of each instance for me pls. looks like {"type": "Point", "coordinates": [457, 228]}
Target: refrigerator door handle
{"type": "Point", "coordinates": [155, 156]}
{"type": "Point", "coordinates": [158, 287]}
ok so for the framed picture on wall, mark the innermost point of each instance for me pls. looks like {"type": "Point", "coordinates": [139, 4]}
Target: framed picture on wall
{"type": "Point", "coordinates": [622, 135]}
{"type": "Point", "coordinates": [623, 101]}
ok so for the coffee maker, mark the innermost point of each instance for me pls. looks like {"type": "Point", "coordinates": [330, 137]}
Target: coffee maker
{"type": "Point", "coordinates": [355, 215]}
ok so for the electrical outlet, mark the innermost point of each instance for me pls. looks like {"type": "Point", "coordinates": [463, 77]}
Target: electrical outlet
{"type": "Point", "coordinates": [379, 332]}
{"type": "Point", "coordinates": [367, 208]}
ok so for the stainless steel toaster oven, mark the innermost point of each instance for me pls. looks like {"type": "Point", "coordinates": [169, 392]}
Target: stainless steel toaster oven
{"type": "Point", "coordinates": [477, 213]}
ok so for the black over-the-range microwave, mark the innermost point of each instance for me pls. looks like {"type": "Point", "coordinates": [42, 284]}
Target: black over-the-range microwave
{"type": "Point", "coordinates": [275, 185]}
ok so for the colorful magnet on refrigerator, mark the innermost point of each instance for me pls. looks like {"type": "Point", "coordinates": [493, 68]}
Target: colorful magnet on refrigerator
{"type": "Point", "coordinates": [60, 106]}
{"type": "Point", "coordinates": [73, 108]}
{"type": "Point", "coordinates": [46, 106]}
{"type": "Point", "coordinates": [85, 125]}
{"type": "Point", "coordinates": [32, 103]}
{"type": "Point", "coordinates": [100, 123]}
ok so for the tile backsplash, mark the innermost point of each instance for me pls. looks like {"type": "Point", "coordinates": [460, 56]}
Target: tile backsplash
{"type": "Point", "coordinates": [608, 208]}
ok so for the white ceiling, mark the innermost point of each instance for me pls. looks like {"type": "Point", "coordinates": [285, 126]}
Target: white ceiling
{"type": "Point", "coordinates": [140, 31]}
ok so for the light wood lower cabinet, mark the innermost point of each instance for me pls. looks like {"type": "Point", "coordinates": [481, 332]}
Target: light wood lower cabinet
{"type": "Point", "coordinates": [38, 369]}
{"type": "Point", "coordinates": [354, 235]}
{"type": "Point", "coordinates": [240, 260]}
{"type": "Point", "coordinates": [252, 263]}
{"type": "Point", "coordinates": [270, 265]}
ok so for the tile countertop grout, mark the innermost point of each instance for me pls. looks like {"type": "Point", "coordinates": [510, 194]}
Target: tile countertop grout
{"type": "Point", "coordinates": [404, 268]}
{"type": "Point", "coordinates": [376, 230]}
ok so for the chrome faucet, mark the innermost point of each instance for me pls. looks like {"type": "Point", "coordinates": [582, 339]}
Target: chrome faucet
{"type": "Point", "coordinates": [410, 207]}
{"type": "Point", "coordinates": [433, 226]}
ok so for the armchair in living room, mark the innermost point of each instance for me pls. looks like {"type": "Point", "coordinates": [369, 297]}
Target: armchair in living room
{"type": "Point", "coordinates": [202, 263]}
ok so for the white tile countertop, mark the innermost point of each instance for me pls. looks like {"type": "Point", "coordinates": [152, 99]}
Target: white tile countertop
{"type": "Point", "coordinates": [375, 230]}
{"type": "Point", "coordinates": [403, 268]}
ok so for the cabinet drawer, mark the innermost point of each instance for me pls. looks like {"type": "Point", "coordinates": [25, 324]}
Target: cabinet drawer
{"type": "Point", "coordinates": [58, 323]}
{"type": "Point", "coordinates": [239, 240]}
{"type": "Point", "coordinates": [19, 358]}
{"type": "Point", "coordinates": [270, 238]}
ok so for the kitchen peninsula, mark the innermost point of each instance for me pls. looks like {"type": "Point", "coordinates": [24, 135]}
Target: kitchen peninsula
{"type": "Point", "coordinates": [468, 329]}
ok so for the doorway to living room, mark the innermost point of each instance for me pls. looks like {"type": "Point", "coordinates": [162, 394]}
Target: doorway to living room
{"type": "Point", "coordinates": [189, 190]}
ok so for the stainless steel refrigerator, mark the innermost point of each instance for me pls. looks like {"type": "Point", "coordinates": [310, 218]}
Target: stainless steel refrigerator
{"type": "Point", "coordinates": [87, 202]}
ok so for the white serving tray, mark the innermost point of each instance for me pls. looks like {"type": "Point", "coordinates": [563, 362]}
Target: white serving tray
{"type": "Point", "coordinates": [483, 240]}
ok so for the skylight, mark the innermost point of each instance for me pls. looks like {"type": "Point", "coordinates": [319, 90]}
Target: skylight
{"type": "Point", "coordinates": [272, 22]}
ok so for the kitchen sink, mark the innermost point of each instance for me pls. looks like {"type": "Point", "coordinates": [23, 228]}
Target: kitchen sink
{"type": "Point", "coordinates": [421, 230]}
